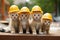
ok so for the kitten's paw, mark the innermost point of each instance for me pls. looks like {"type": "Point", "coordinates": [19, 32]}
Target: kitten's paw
{"type": "Point", "coordinates": [34, 33]}
{"type": "Point", "coordinates": [41, 33]}
{"type": "Point", "coordinates": [13, 32]}
{"type": "Point", "coordinates": [20, 32]}
{"type": "Point", "coordinates": [27, 32]}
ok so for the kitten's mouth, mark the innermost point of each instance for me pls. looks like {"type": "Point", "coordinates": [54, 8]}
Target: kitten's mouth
{"type": "Point", "coordinates": [23, 18]}
{"type": "Point", "coordinates": [14, 17]}
{"type": "Point", "coordinates": [36, 17]}
{"type": "Point", "coordinates": [46, 24]}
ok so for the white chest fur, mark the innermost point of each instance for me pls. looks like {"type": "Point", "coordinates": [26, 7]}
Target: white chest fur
{"type": "Point", "coordinates": [24, 23]}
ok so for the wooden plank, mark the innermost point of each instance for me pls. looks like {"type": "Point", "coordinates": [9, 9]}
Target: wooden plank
{"type": "Point", "coordinates": [6, 37]}
{"type": "Point", "coordinates": [9, 36]}
{"type": "Point", "coordinates": [4, 22]}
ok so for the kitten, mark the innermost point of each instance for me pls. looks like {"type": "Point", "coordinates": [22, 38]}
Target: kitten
{"type": "Point", "coordinates": [14, 22]}
{"type": "Point", "coordinates": [45, 26]}
{"type": "Point", "coordinates": [36, 23]}
{"type": "Point", "coordinates": [24, 22]}
{"type": "Point", "coordinates": [46, 21]}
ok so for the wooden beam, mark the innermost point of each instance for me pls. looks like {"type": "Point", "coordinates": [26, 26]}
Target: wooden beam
{"type": "Point", "coordinates": [3, 16]}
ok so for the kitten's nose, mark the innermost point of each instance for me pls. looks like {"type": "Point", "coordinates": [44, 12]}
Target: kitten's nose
{"type": "Point", "coordinates": [14, 17]}
{"type": "Point", "coordinates": [24, 17]}
{"type": "Point", "coordinates": [36, 17]}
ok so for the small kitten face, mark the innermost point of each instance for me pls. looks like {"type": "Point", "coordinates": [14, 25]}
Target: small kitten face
{"type": "Point", "coordinates": [37, 16]}
{"type": "Point", "coordinates": [46, 22]}
{"type": "Point", "coordinates": [23, 16]}
{"type": "Point", "coordinates": [14, 16]}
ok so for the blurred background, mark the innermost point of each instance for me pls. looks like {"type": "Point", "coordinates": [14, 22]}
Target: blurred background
{"type": "Point", "coordinates": [51, 6]}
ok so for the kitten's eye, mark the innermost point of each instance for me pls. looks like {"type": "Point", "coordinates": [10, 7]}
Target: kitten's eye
{"type": "Point", "coordinates": [25, 15]}
{"type": "Point", "coordinates": [12, 15]}
{"type": "Point", "coordinates": [45, 21]}
{"type": "Point", "coordinates": [38, 15]}
{"type": "Point", "coordinates": [48, 22]}
{"type": "Point", "coordinates": [34, 15]}
{"type": "Point", "coordinates": [16, 14]}
{"type": "Point", "coordinates": [22, 15]}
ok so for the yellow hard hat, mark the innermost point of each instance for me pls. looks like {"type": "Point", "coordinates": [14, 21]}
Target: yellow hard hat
{"type": "Point", "coordinates": [13, 8]}
{"type": "Point", "coordinates": [36, 9]}
{"type": "Point", "coordinates": [24, 9]}
{"type": "Point", "coordinates": [47, 16]}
